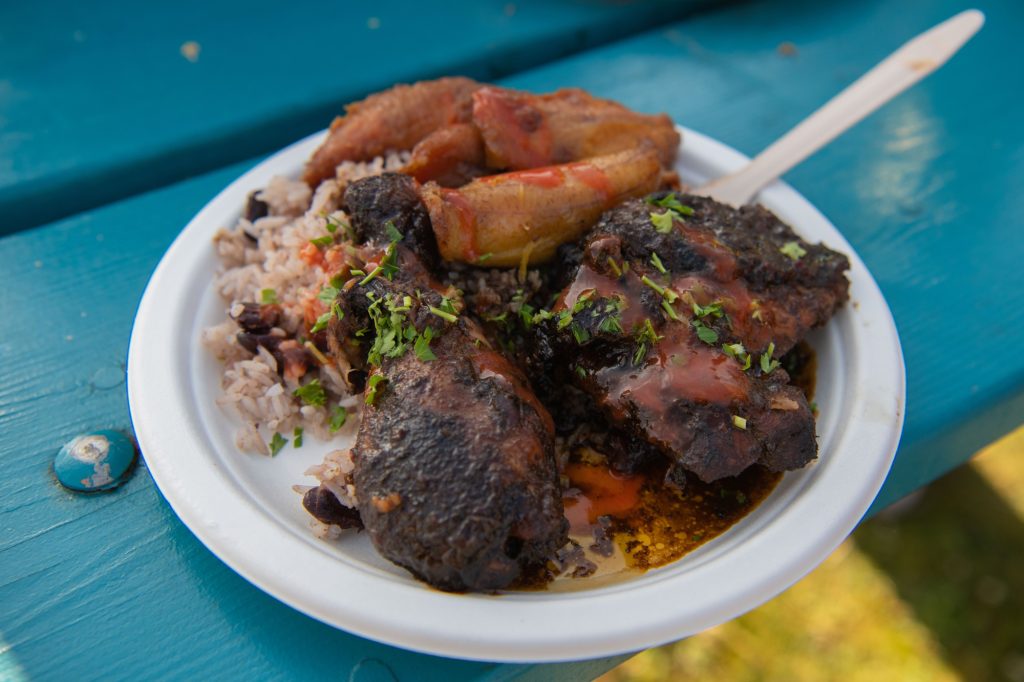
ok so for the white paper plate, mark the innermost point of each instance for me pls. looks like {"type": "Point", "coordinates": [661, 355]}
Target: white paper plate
{"type": "Point", "coordinates": [243, 509]}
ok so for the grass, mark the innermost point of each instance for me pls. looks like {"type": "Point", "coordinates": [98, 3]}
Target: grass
{"type": "Point", "coordinates": [932, 589]}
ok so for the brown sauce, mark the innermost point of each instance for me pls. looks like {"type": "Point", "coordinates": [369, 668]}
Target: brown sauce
{"type": "Point", "coordinates": [623, 523]}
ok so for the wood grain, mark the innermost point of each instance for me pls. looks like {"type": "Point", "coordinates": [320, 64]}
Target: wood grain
{"type": "Point", "coordinates": [103, 101]}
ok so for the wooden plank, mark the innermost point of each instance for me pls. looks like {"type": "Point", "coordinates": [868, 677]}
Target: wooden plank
{"type": "Point", "coordinates": [100, 101]}
{"type": "Point", "coordinates": [925, 190]}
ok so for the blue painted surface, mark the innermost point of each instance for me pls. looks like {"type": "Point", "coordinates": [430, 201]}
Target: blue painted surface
{"type": "Point", "coordinates": [926, 191]}
{"type": "Point", "coordinates": [102, 100]}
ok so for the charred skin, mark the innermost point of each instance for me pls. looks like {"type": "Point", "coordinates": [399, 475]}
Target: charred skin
{"type": "Point", "coordinates": [454, 459]}
{"type": "Point", "coordinates": [392, 120]}
{"type": "Point", "coordinates": [455, 470]}
{"type": "Point", "coordinates": [686, 396]}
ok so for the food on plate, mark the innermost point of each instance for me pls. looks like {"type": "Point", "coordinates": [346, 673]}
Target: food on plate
{"type": "Point", "coordinates": [673, 319]}
{"type": "Point", "coordinates": [498, 220]}
{"type": "Point", "coordinates": [548, 358]}
{"type": "Point", "coordinates": [393, 120]}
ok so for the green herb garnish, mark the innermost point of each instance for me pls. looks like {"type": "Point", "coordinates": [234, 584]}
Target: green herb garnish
{"type": "Point", "coordinates": [670, 202]}
{"type": "Point", "coordinates": [321, 322]}
{"type": "Point", "coordinates": [297, 437]}
{"type": "Point", "coordinates": [268, 296]}
{"type": "Point", "coordinates": [338, 417]}
{"type": "Point", "coordinates": [705, 333]}
{"type": "Point", "coordinates": [422, 346]}
{"type": "Point", "coordinates": [485, 257]}
{"type": "Point", "coordinates": [393, 234]}
{"type": "Point", "coordinates": [321, 242]}
{"type": "Point", "coordinates": [793, 250]}
{"type": "Point", "coordinates": [663, 221]}
{"type": "Point", "coordinates": [328, 294]}
{"type": "Point", "coordinates": [312, 393]}
{"type": "Point", "coordinates": [276, 443]}
{"type": "Point", "coordinates": [656, 262]}
{"type": "Point", "coordinates": [736, 350]}
{"type": "Point", "coordinates": [645, 337]}
{"type": "Point", "coordinates": [372, 387]}
{"type": "Point", "coordinates": [768, 365]}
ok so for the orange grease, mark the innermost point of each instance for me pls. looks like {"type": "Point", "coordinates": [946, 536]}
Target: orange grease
{"type": "Point", "coordinates": [602, 492]}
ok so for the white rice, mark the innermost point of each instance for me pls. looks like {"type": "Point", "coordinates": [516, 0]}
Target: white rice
{"type": "Point", "coordinates": [252, 388]}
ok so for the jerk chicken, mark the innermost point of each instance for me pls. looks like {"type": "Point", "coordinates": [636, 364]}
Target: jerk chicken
{"type": "Point", "coordinates": [672, 322]}
{"type": "Point", "coordinates": [663, 316]}
{"type": "Point", "coordinates": [450, 424]}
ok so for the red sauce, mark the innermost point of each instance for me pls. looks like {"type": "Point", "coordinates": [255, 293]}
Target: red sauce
{"type": "Point", "coordinates": [629, 287]}
{"type": "Point", "coordinates": [721, 259]}
{"type": "Point", "coordinates": [546, 178]}
{"type": "Point", "coordinates": [682, 368]}
{"type": "Point", "coordinates": [466, 221]}
{"type": "Point", "coordinates": [593, 177]}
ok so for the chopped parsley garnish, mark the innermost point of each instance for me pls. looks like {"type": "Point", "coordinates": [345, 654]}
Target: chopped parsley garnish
{"type": "Point", "coordinates": [579, 333]}
{"type": "Point", "coordinates": [612, 324]}
{"type": "Point", "coordinates": [268, 296]}
{"type": "Point", "coordinates": [663, 221]}
{"type": "Point", "coordinates": [705, 333]}
{"type": "Point", "coordinates": [338, 417]}
{"type": "Point", "coordinates": [321, 242]}
{"type": "Point", "coordinates": [645, 337]}
{"type": "Point", "coordinates": [614, 266]}
{"type": "Point", "coordinates": [443, 314]}
{"type": "Point", "coordinates": [580, 372]}
{"type": "Point", "coordinates": [793, 250]}
{"type": "Point", "coordinates": [312, 393]}
{"type": "Point", "coordinates": [297, 439]}
{"type": "Point", "coordinates": [276, 443]}
{"type": "Point", "coordinates": [387, 268]}
{"type": "Point", "coordinates": [328, 294]}
{"type": "Point", "coordinates": [333, 224]}
{"type": "Point", "coordinates": [485, 257]}
{"type": "Point", "coordinates": [740, 423]}
{"type": "Point", "coordinates": [373, 387]}
{"type": "Point", "coordinates": [768, 365]}
{"type": "Point", "coordinates": [709, 310]}
{"type": "Point", "coordinates": [666, 293]}
{"type": "Point", "coordinates": [670, 202]}
{"type": "Point", "coordinates": [321, 322]}
{"type": "Point", "coordinates": [422, 346]}
{"type": "Point", "coordinates": [656, 262]}
{"type": "Point", "coordinates": [736, 350]}
{"type": "Point", "coordinates": [393, 234]}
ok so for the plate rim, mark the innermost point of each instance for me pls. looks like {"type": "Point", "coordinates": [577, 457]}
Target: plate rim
{"type": "Point", "coordinates": [161, 432]}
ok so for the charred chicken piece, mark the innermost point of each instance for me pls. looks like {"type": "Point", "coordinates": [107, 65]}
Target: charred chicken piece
{"type": "Point", "coordinates": [392, 120]}
{"type": "Point", "coordinates": [673, 319]}
{"type": "Point", "coordinates": [453, 463]}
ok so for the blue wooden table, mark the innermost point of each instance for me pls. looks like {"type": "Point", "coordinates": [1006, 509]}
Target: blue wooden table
{"type": "Point", "coordinates": [118, 123]}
